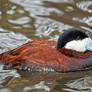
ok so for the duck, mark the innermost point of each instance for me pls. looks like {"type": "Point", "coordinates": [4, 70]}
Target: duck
{"type": "Point", "coordinates": [71, 52]}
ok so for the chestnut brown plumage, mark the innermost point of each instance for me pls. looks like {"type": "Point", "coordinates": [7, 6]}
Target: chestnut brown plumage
{"type": "Point", "coordinates": [41, 55]}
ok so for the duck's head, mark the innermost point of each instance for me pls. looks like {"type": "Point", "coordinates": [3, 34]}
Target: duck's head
{"type": "Point", "coordinates": [75, 39]}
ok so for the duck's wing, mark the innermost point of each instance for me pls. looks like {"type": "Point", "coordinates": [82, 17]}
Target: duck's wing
{"type": "Point", "coordinates": [43, 56]}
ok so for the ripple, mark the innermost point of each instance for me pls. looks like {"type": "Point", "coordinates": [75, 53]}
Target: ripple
{"type": "Point", "coordinates": [6, 76]}
{"type": "Point", "coordinates": [40, 2]}
{"type": "Point", "coordinates": [9, 41]}
{"type": "Point", "coordinates": [13, 7]}
{"type": "Point", "coordinates": [86, 28]}
{"type": "Point", "coordinates": [20, 11]}
{"type": "Point", "coordinates": [60, 1]}
{"type": "Point", "coordinates": [22, 20]}
{"type": "Point", "coordinates": [5, 90]}
{"type": "Point", "coordinates": [11, 11]}
{"type": "Point", "coordinates": [45, 26]}
{"type": "Point", "coordinates": [55, 38]}
{"type": "Point", "coordinates": [3, 30]}
{"type": "Point", "coordinates": [84, 5]}
{"type": "Point", "coordinates": [81, 84]}
{"type": "Point", "coordinates": [0, 13]}
{"type": "Point", "coordinates": [36, 7]}
{"type": "Point", "coordinates": [39, 86]}
{"type": "Point", "coordinates": [87, 20]}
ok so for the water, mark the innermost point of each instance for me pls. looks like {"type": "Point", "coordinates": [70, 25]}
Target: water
{"type": "Point", "coordinates": [25, 20]}
{"type": "Point", "coordinates": [6, 77]}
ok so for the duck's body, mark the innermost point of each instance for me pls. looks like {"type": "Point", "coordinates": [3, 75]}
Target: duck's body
{"type": "Point", "coordinates": [43, 55]}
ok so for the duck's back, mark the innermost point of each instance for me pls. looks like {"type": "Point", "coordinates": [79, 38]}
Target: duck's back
{"type": "Point", "coordinates": [42, 55]}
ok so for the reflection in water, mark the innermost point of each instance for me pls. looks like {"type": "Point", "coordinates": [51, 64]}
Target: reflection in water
{"type": "Point", "coordinates": [2, 30]}
{"type": "Point", "coordinates": [20, 11]}
{"type": "Point", "coordinates": [11, 40]}
{"type": "Point", "coordinates": [5, 90]}
{"type": "Point", "coordinates": [22, 20]}
{"type": "Point", "coordinates": [11, 11]}
{"type": "Point", "coordinates": [87, 20]}
{"type": "Point", "coordinates": [0, 12]}
{"type": "Point", "coordinates": [43, 19]}
{"type": "Point", "coordinates": [84, 83]}
{"type": "Point", "coordinates": [48, 26]}
{"type": "Point", "coordinates": [84, 5]}
{"type": "Point", "coordinates": [86, 28]}
{"type": "Point", "coordinates": [6, 76]}
{"type": "Point", "coordinates": [38, 86]}
{"type": "Point", "coordinates": [58, 1]}
{"type": "Point", "coordinates": [35, 7]}
{"type": "Point", "coordinates": [44, 26]}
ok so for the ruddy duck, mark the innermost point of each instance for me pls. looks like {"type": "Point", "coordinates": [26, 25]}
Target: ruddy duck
{"type": "Point", "coordinates": [72, 52]}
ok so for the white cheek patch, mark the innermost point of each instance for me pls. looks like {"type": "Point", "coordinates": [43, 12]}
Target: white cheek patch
{"type": "Point", "coordinates": [77, 45]}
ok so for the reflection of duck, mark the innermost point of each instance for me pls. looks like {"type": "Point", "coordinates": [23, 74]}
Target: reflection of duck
{"type": "Point", "coordinates": [71, 54]}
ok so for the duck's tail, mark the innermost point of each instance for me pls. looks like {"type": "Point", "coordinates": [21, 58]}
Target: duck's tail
{"type": "Point", "coordinates": [7, 59]}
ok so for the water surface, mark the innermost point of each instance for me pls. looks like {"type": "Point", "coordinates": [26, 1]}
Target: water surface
{"type": "Point", "coordinates": [25, 20]}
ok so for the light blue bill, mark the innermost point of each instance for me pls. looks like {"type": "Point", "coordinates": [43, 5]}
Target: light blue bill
{"type": "Point", "coordinates": [89, 47]}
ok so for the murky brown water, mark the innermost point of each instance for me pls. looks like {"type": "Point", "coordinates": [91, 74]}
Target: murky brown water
{"type": "Point", "coordinates": [44, 19]}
